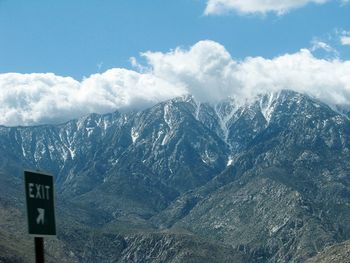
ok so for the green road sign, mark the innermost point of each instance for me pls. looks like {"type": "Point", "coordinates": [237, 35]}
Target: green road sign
{"type": "Point", "coordinates": [40, 203]}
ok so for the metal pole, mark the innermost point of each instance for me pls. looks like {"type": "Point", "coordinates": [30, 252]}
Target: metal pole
{"type": "Point", "coordinates": [39, 249]}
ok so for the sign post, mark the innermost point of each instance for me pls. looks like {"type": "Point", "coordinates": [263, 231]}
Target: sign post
{"type": "Point", "coordinates": [39, 191]}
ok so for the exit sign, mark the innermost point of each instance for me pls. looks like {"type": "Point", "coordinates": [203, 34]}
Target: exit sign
{"type": "Point", "coordinates": [39, 191]}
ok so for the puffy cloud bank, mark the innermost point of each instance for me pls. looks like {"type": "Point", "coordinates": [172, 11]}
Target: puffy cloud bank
{"type": "Point", "coordinates": [27, 99]}
{"type": "Point", "coordinates": [256, 6]}
{"type": "Point", "coordinates": [205, 70]}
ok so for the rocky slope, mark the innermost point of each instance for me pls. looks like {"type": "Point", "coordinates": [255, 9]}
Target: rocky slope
{"type": "Point", "coordinates": [339, 253]}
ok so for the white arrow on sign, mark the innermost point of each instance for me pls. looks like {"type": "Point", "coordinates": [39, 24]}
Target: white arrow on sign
{"type": "Point", "coordinates": [40, 218]}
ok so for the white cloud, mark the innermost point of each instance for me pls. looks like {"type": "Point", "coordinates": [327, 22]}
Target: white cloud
{"type": "Point", "coordinates": [27, 99]}
{"type": "Point", "coordinates": [345, 40]}
{"type": "Point", "coordinates": [326, 80]}
{"type": "Point", "coordinates": [323, 46]}
{"type": "Point", "coordinates": [205, 70]}
{"type": "Point", "coordinates": [209, 73]}
{"type": "Point", "coordinates": [256, 6]}
{"type": "Point", "coordinates": [344, 37]}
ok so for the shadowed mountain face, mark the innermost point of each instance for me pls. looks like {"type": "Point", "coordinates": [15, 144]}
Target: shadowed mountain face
{"type": "Point", "coordinates": [185, 181]}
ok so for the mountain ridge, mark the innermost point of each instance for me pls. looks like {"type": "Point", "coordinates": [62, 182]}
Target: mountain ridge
{"type": "Point", "coordinates": [261, 178]}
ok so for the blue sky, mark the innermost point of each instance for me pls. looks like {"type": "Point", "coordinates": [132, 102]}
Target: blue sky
{"type": "Point", "coordinates": [81, 37]}
{"type": "Point", "coordinates": [61, 59]}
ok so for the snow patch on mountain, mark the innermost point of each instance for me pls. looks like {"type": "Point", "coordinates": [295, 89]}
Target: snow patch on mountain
{"type": "Point", "coordinates": [267, 105]}
{"type": "Point", "coordinates": [134, 134]}
{"type": "Point", "coordinates": [229, 161]}
{"type": "Point", "coordinates": [167, 115]}
{"type": "Point", "coordinates": [208, 157]}
{"type": "Point", "coordinates": [225, 111]}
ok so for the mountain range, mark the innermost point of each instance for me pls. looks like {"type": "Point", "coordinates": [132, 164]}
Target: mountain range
{"type": "Point", "coordinates": [183, 181]}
